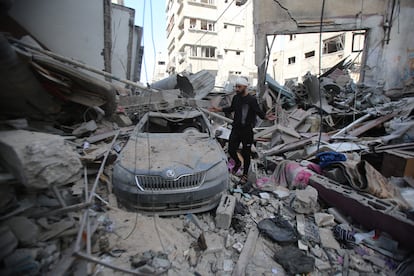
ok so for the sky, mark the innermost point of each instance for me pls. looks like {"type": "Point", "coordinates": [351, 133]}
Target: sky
{"type": "Point", "coordinates": [154, 39]}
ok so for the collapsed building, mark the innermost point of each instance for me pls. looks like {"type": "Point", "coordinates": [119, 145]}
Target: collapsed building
{"type": "Point", "coordinates": [330, 189]}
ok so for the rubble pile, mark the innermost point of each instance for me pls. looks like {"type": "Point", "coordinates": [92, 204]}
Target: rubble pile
{"type": "Point", "coordinates": [330, 189]}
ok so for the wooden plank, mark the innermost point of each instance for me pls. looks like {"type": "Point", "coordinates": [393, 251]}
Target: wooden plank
{"type": "Point", "coordinates": [100, 137]}
{"type": "Point", "coordinates": [271, 129]}
{"type": "Point", "coordinates": [247, 252]}
{"type": "Point", "coordinates": [370, 124]}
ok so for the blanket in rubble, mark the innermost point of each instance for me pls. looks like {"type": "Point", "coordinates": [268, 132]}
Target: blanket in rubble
{"type": "Point", "coordinates": [293, 175]}
{"type": "Point", "coordinates": [362, 176]}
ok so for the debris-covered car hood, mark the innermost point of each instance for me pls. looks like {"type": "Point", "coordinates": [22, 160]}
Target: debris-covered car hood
{"type": "Point", "coordinates": [185, 152]}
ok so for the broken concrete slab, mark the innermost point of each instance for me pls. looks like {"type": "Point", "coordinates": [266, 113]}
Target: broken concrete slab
{"type": "Point", "coordinates": [8, 241]}
{"type": "Point", "coordinates": [26, 231]}
{"type": "Point", "coordinates": [84, 128]}
{"type": "Point", "coordinates": [38, 160]}
{"type": "Point", "coordinates": [327, 239]}
{"type": "Point", "coordinates": [324, 219]}
{"type": "Point", "coordinates": [305, 201]}
{"type": "Point", "coordinates": [121, 120]}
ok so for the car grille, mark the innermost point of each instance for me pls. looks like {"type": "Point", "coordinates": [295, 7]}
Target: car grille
{"type": "Point", "coordinates": [159, 183]}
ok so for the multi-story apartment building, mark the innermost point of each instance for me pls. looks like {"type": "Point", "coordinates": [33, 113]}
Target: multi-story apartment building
{"type": "Point", "coordinates": [295, 55]}
{"type": "Point", "coordinates": [214, 35]}
{"type": "Point", "coordinates": [160, 68]}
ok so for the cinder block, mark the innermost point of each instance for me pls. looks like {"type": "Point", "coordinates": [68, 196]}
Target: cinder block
{"type": "Point", "coordinates": [224, 211]}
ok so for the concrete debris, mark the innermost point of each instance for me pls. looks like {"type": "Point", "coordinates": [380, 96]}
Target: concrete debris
{"type": "Point", "coordinates": [330, 186]}
{"type": "Point", "coordinates": [224, 212]}
{"type": "Point", "coordinates": [8, 241]}
{"type": "Point", "coordinates": [305, 201]}
{"type": "Point", "coordinates": [39, 160]}
{"type": "Point", "coordinates": [25, 230]}
{"type": "Point", "coordinates": [85, 128]}
{"type": "Point", "coordinates": [323, 219]}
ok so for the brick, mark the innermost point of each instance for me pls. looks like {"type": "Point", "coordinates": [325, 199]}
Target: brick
{"type": "Point", "coordinates": [224, 211]}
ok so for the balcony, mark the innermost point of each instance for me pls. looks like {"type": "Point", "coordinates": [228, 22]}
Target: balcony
{"type": "Point", "coordinates": [203, 3]}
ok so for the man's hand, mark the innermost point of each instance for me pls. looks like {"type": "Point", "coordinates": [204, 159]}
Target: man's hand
{"type": "Point", "coordinates": [270, 117]}
{"type": "Point", "coordinates": [214, 109]}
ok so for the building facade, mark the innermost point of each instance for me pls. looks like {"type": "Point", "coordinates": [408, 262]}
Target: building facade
{"type": "Point", "coordinates": [160, 68]}
{"type": "Point", "coordinates": [214, 35]}
{"type": "Point", "coordinates": [296, 54]}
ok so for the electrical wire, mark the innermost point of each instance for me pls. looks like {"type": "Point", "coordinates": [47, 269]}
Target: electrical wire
{"type": "Point", "coordinates": [320, 72]}
{"type": "Point", "coordinates": [153, 42]}
{"type": "Point", "coordinates": [135, 157]}
{"type": "Point", "coordinates": [148, 138]}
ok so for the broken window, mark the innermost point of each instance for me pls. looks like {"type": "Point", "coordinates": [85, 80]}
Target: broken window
{"type": "Point", "coordinates": [237, 29]}
{"type": "Point", "coordinates": [334, 44]}
{"type": "Point", "coordinates": [291, 60]}
{"type": "Point", "coordinates": [207, 25]}
{"type": "Point", "coordinates": [225, 26]}
{"type": "Point", "coordinates": [155, 124]}
{"type": "Point", "coordinates": [208, 52]}
{"type": "Point", "coordinates": [193, 23]}
{"type": "Point", "coordinates": [161, 62]}
{"type": "Point", "coordinates": [358, 40]}
{"type": "Point", "coordinates": [310, 54]}
{"type": "Point", "coordinates": [238, 53]}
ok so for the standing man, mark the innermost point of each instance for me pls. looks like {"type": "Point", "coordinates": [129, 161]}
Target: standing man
{"type": "Point", "coordinates": [245, 108]}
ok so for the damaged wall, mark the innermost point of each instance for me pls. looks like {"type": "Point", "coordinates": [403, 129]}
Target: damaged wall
{"type": "Point", "coordinates": [78, 29]}
{"type": "Point", "coordinates": [70, 28]}
{"type": "Point", "coordinates": [398, 59]}
{"type": "Point", "coordinates": [286, 17]}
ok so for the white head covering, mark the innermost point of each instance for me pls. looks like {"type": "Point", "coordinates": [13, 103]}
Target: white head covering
{"type": "Point", "coordinates": [242, 81]}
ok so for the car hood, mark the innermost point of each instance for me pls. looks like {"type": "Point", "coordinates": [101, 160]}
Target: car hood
{"type": "Point", "coordinates": [185, 153]}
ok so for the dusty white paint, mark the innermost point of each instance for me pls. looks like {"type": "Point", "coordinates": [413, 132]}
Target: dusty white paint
{"type": "Point", "coordinates": [70, 28]}
{"type": "Point", "coordinates": [385, 65]}
{"type": "Point", "coordinates": [120, 24]}
{"type": "Point", "coordinates": [75, 29]}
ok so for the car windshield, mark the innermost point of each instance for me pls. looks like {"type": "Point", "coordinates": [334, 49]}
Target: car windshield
{"type": "Point", "coordinates": [169, 124]}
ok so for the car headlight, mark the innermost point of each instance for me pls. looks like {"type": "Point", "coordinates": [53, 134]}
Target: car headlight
{"type": "Point", "coordinates": [123, 176]}
{"type": "Point", "coordinates": [217, 172]}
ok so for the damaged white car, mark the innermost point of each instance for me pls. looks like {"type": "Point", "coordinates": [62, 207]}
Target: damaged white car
{"type": "Point", "coordinates": [172, 164]}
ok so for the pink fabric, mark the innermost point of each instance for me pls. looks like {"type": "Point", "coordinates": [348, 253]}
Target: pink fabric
{"type": "Point", "coordinates": [292, 175]}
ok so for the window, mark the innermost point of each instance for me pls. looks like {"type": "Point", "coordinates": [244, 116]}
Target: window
{"type": "Point", "coordinates": [170, 24]}
{"type": "Point", "coordinates": [238, 53]}
{"type": "Point", "coordinates": [193, 51]}
{"type": "Point", "coordinates": [237, 29]}
{"type": "Point", "coordinates": [310, 54]}
{"type": "Point", "coordinates": [207, 25]}
{"type": "Point", "coordinates": [208, 52]}
{"type": "Point", "coordinates": [234, 72]}
{"type": "Point", "coordinates": [161, 62]}
{"type": "Point", "coordinates": [225, 26]}
{"type": "Point", "coordinates": [193, 23]}
{"type": "Point", "coordinates": [291, 60]}
{"type": "Point", "coordinates": [358, 42]}
{"type": "Point", "coordinates": [292, 37]}
{"type": "Point", "coordinates": [210, 2]}
{"type": "Point", "coordinates": [334, 44]}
